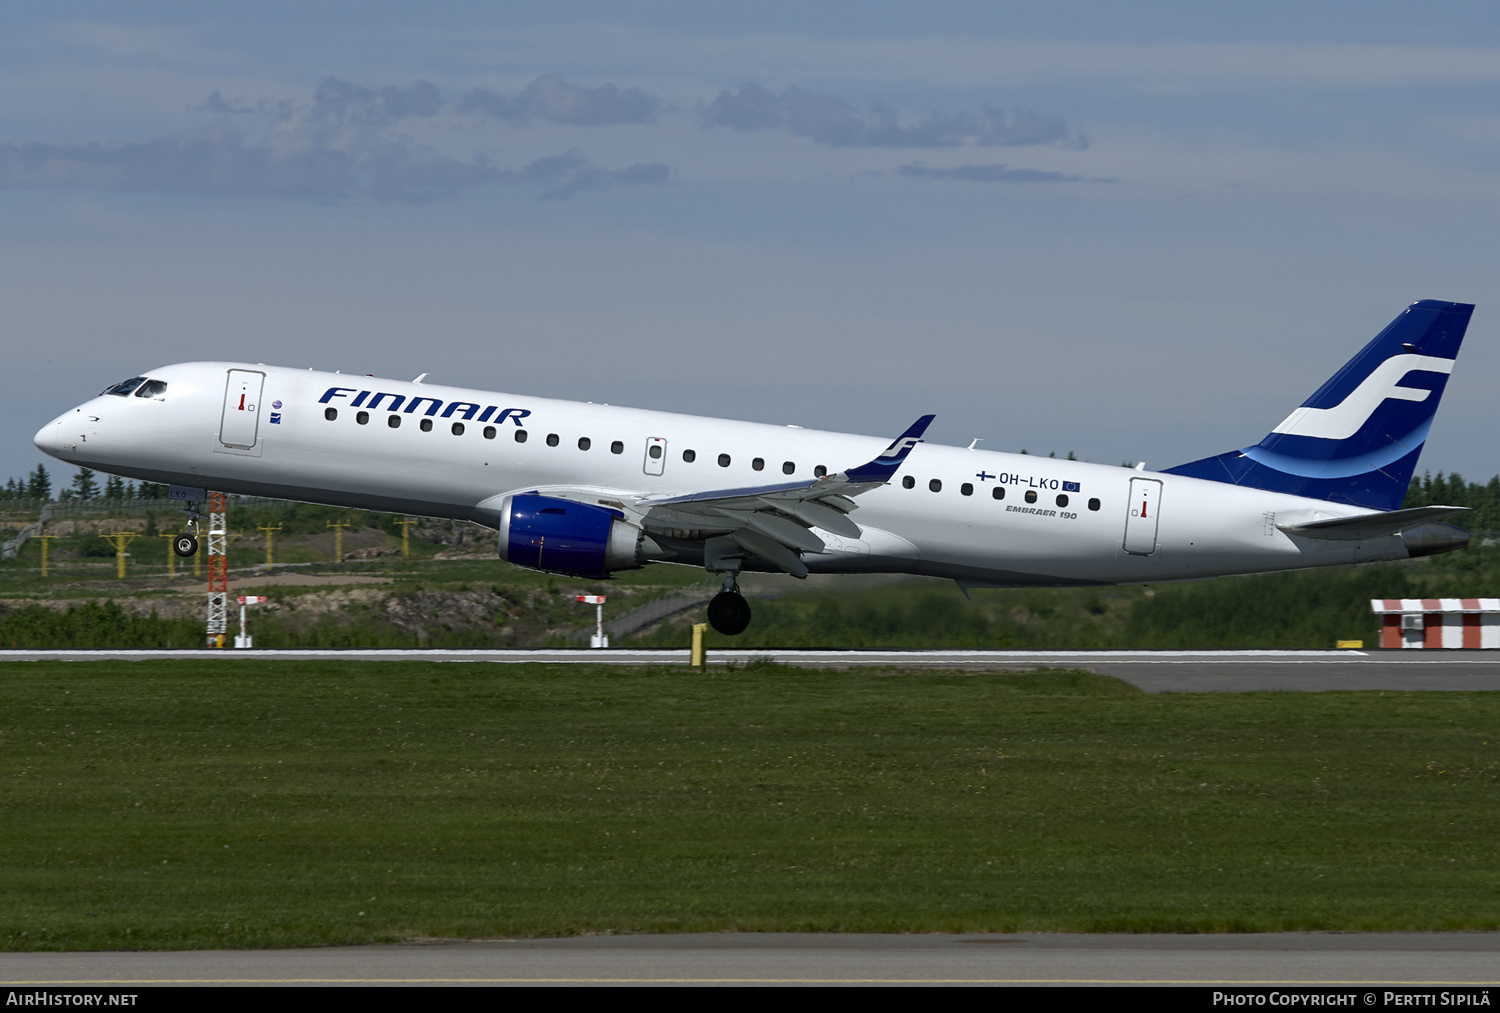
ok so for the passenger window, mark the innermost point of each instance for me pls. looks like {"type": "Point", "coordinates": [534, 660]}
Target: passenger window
{"type": "Point", "coordinates": [152, 388]}
{"type": "Point", "coordinates": [552, 440]}
{"type": "Point", "coordinates": [759, 464]}
{"type": "Point", "coordinates": [1031, 495]}
{"type": "Point", "coordinates": [820, 471]}
{"type": "Point", "coordinates": [967, 488]}
{"type": "Point", "coordinates": [617, 447]}
{"type": "Point", "coordinates": [787, 467]}
{"type": "Point", "coordinates": [426, 425]}
{"type": "Point", "coordinates": [394, 421]}
{"type": "Point", "coordinates": [936, 485]}
{"type": "Point", "coordinates": [489, 432]}
{"type": "Point", "coordinates": [124, 387]}
{"type": "Point", "coordinates": [1062, 500]}
{"type": "Point", "coordinates": [723, 460]}
{"type": "Point", "coordinates": [584, 443]}
{"type": "Point", "coordinates": [458, 429]}
{"type": "Point", "coordinates": [689, 456]}
{"type": "Point", "coordinates": [1093, 504]}
{"type": "Point", "coordinates": [654, 451]}
{"type": "Point", "coordinates": [330, 413]}
{"type": "Point", "coordinates": [907, 482]}
{"type": "Point", "coordinates": [520, 436]}
{"type": "Point", "coordinates": [998, 492]}
{"type": "Point", "coordinates": [363, 418]}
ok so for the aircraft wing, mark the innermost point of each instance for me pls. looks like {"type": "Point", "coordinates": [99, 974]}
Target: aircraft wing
{"type": "Point", "coordinates": [772, 522]}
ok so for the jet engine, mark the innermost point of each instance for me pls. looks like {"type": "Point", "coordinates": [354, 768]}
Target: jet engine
{"type": "Point", "coordinates": [563, 536]}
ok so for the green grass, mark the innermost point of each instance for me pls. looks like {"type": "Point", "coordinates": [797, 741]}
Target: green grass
{"type": "Point", "coordinates": [247, 803]}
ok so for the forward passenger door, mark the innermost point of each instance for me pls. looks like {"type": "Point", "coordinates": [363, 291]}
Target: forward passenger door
{"type": "Point", "coordinates": [239, 426]}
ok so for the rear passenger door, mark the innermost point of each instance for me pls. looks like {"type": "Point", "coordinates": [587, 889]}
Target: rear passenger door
{"type": "Point", "coordinates": [1140, 523]}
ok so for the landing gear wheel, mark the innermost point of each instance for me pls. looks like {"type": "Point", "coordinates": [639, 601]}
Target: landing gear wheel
{"type": "Point", "coordinates": [728, 613]}
{"type": "Point", "coordinates": [185, 545]}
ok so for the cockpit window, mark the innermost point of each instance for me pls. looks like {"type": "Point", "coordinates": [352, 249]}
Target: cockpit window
{"type": "Point", "coordinates": [152, 388]}
{"type": "Point", "coordinates": [124, 387]}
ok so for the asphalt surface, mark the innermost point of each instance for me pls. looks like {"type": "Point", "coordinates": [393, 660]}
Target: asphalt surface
{"type": "Point", "coordinates": [1152, 671]}
{"type": "Point", "coordinates": [1408, 960]}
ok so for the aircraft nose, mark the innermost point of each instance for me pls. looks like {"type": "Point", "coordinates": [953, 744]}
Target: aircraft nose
{"type": "Point", "coordinates": [52, 439]}
{"type": "Point", "coordinates": [46, 437]}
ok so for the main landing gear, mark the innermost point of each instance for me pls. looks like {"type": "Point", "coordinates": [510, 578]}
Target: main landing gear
{"type": "Point", "coordinates": [728, 613]}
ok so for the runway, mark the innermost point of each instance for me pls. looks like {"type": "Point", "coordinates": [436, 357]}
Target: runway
{"type": "Point", "coordinates": [1152, 671]}
{"type": "Point", "coordinates": [1358, 960]}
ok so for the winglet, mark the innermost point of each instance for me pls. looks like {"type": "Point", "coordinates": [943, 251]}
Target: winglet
{"type": "Point", "coordinates": [883, 467]}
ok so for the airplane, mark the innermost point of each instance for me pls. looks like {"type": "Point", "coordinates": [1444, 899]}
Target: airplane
{"type": "Point", "coordinates": [587, 490]}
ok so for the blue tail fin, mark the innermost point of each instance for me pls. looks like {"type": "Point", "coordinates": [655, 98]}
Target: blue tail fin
{"type": "Point", "coordinates": [1358, 438]}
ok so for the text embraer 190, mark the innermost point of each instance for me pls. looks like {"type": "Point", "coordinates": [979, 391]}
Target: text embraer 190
{"type": "Point", "coordinates": [586, 489]}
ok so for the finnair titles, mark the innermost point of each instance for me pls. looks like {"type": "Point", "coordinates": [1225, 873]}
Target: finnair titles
{"type": "Point", "coordinates": [588, 490]}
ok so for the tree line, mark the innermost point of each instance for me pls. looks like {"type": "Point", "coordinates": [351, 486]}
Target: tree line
{"type": "Point", "coordinates": [1482, 500]}
{"type": "Point", "coordinates": [84, 487]}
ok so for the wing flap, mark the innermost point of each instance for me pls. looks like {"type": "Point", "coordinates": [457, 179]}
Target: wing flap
{"type": "Point", "coordinates": [785, 530]}
{"type": "Point", "coordinates": [818, 515]}
{"type": "Point", "coordinates": [771, 551]}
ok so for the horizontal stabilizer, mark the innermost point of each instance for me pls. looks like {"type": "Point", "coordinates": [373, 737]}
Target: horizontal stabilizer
{"type": "Point", "coordinates": [1366, 526]}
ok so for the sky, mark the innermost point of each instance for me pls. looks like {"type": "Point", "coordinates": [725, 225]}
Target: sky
{"type": "Point", "coordinates": [1136, 232]}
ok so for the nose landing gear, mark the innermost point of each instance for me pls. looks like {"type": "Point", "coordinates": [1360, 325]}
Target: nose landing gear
{"type": "Point", "coordinates": [187, 544]}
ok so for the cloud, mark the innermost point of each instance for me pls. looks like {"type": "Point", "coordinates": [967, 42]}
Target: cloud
{"type": "Point", "coordinates": [349, 142]}
{"type": "Point", "coordinates": [829, 120]}
{"type": "Point", "coordinates": [220, 161]}
{"type": "Point", "coordinates": [994, 173]}
{"type": "Point", "coordinates": [571, 173]}
{"type": "Point", "coordinates": [343, 102]}
{"type": "Point", "coordinates": [341, 146]}
{"type": "Point", "coordinates": [554, 100]}
{"type": "Point", "coordinates": [753, 107]}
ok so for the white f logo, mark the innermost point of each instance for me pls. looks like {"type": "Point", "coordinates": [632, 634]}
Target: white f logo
{"type": "Point", "coordinates": [1344, 419]}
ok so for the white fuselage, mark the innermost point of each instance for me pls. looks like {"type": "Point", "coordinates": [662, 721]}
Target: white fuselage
{"type": "Point", "coordinates": [949, 523]}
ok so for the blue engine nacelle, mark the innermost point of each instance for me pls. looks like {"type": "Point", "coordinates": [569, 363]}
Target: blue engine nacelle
{"type": "Point", "coordinates": [562, 536]}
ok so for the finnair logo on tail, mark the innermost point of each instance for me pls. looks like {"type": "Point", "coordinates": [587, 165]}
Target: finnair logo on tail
{"type": "Point", "coordinates": [1344, 419]}
{"type": "Point", "coordinates": [900, 448]}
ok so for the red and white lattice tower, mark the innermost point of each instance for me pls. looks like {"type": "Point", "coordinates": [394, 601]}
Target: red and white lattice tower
{"type": "Point", "coordinates": [218, 568]}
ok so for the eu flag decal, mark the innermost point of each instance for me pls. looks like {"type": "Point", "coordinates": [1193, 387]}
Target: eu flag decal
{"type": "Point", "coordinates": [1070, 487]}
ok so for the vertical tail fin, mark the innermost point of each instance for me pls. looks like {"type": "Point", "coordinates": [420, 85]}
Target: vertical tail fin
{"type": "Point", "coordinates": [1358, 438]}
